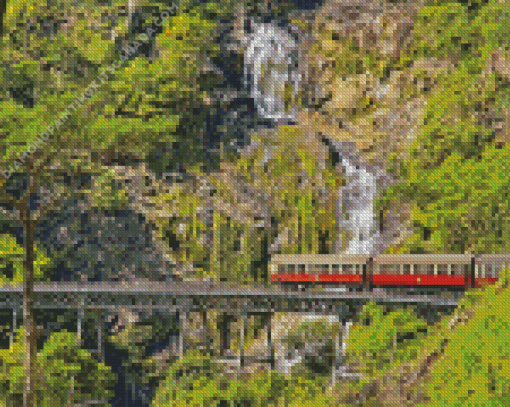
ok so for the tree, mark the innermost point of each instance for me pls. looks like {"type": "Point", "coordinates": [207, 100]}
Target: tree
{"type": "Point", "coordinates": [27, 208]}
{"type": "Point", "coordinates": [60, 360]}
{"type": "Point", "coordinates": [36, 77]}
{"type": "Point", "coordinates": [454, 177]}
{"type": "Point", "coordinates": [199, 381]}
{"type": "Point", "coordinates": [12, 259]}
{"type": "Point", "coordinates": [381, 339]}
{"type": "Point", "coordinates": [474, 368]}
{"type": "Point", "coordinates": [3, 7]}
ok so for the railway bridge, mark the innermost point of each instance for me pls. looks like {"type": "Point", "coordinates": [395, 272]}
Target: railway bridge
{"type": "Point", "coordinates": [445, 279]}
{"type": "Point", "coordinates": [184, 298]}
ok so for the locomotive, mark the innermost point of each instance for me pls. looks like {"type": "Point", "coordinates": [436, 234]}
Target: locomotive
{"type": "Point", "coordinates": [446, 270]}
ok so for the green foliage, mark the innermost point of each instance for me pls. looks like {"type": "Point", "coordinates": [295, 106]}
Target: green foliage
{"type": "Point", "coordinates": [59, 360]}
{"type": "Point", "coordinates": [475, 367]}
{"type": "Point", "coordinates": [459, 30]}
{"type": "Point", "coordinates": [464, 203]}
{"type": "Point", "coordinates": [59, 66]}
{"type": "Point", "coordinates": [296, 186]}
{"type": "Point", "coordinates": [133, 341]}
{"type": "Point", "coordinates": [454, 176]}
{"type": "Point", "coordinates": [186, 228]}
{"type": "Point", "coordinates": [108, 193]}
{"type": "Point", "coordinates": [384, 339]}
{"type": "Point", "coordinates": [320, 356]}
{"type": "Point", "coordinates": [12, 258]}
{"type": "Point", "coordinates": [300, 182]}
{"type": "Point", "coordinates": [232, 239]}
{"type": "Point", "coordinates": [197, 381]}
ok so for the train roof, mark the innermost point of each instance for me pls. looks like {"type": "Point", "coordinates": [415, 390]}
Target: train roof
{"type": "Point", "coordinates": [387, 258]}
{"type": "Point", "coordinates": [423, 259]}
{"type": "Point", "coordinates": [318, 258]}
{"type": "Point", "coordinates": [493, 257]}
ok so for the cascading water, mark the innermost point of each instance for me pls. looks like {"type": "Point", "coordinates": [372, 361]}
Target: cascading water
{"type": "Point", "coordinates": [271, 71]}
{"type": "Point", "coordinates": [272, 78]}
{"type": "Point", "coordinates": [358, 196]}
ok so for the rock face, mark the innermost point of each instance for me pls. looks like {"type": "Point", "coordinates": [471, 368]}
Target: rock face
{"type": "Point", "coordinates": [102, 246]}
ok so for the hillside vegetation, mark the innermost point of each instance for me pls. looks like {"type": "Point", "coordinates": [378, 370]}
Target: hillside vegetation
{"type": "Point", "coordinates": [140, 182]}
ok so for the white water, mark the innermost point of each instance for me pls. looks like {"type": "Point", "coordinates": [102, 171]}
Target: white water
{"type": "Point", "coordinates": [359, 195]}
{"type": "Point", "coordinates": [270, 68]}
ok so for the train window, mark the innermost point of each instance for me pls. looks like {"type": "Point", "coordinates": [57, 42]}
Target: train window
{"type": "Point", "coordinates": [429, 269]}
{"type": "Point", "coordinates": [348, 269]}
{"type": "Point", "coordinates": [407, 269]}
{"type": "Point", "coordinates": [318, 268]}
{"type": "Point", "coordinates": [465, 269]}
{"type": "Point", "coordinates": [490, 269]}
{"type": "Point", "coordinates": [460, 269]}
{"type": "Point", "coordinates": [301, 268]}
{"type": "Point", "coordinates": [442, 269]}
{"type": "Point", "coordinates": [335, 269]}
{"type": "Point", "coordinates": [287, 268]}
{"type": "Point", "coordinates": [389, 269]}
{"type": "Point", "coordinates": [324, 268]}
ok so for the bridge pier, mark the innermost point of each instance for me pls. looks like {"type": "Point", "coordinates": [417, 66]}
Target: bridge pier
{"type": "Point", "coordinates": [269, 341]}
{"type": "Point", "coordinates": [183, 316]}
{"type": "Point", "coordinates": [14, 327]}
{"type": "Point", "coordinates": [244, 325]}
{"type": "Point", "coordinates": [100, 335]}
{"type": "Point", "coordinates": [81, 317]}
{"type": "Point", "coordinates": [207, 343]}
{"type": "Point", "coordinates": [226, 334]}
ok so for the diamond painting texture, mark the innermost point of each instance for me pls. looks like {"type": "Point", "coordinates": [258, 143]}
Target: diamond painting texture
{"type": "Point", "coordinates": [254, 203]}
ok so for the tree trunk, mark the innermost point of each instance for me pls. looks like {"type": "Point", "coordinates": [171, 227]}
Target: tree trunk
{"type": "Point", "coordinates": [3, 8]}
{"type": "Point", "coordinates": [28, 316]}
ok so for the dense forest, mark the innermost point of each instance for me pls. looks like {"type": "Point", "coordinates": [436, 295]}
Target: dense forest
{"type": "Point", "coordinates": [132, 148]}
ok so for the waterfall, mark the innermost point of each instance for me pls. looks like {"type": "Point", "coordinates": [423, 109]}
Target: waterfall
{"type": "Point", "coordinates": [356, 204]}
{"type": "Point", "coordinates": [272, 78]}
{"type": "Point", "coordinates": [359, 195]}
{"type": "Point", "coordinates": [270, 71]}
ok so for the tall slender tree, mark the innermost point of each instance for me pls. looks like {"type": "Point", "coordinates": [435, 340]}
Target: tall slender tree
{"type": "Point", "coordinates": [3, 7]}
{"type": "Point", "coordinates": [24, 208]}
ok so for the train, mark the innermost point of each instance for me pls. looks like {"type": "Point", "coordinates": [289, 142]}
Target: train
{"type": "Point", "coordinates": [440, 270]}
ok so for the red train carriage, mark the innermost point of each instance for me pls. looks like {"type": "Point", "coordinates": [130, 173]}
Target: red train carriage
{"type": "Point", "coordinates": [422, 270]}
{"type": "Point", "coordinates": [315, 268]}
{"type": "Point", "coordinates": [454, 270]}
